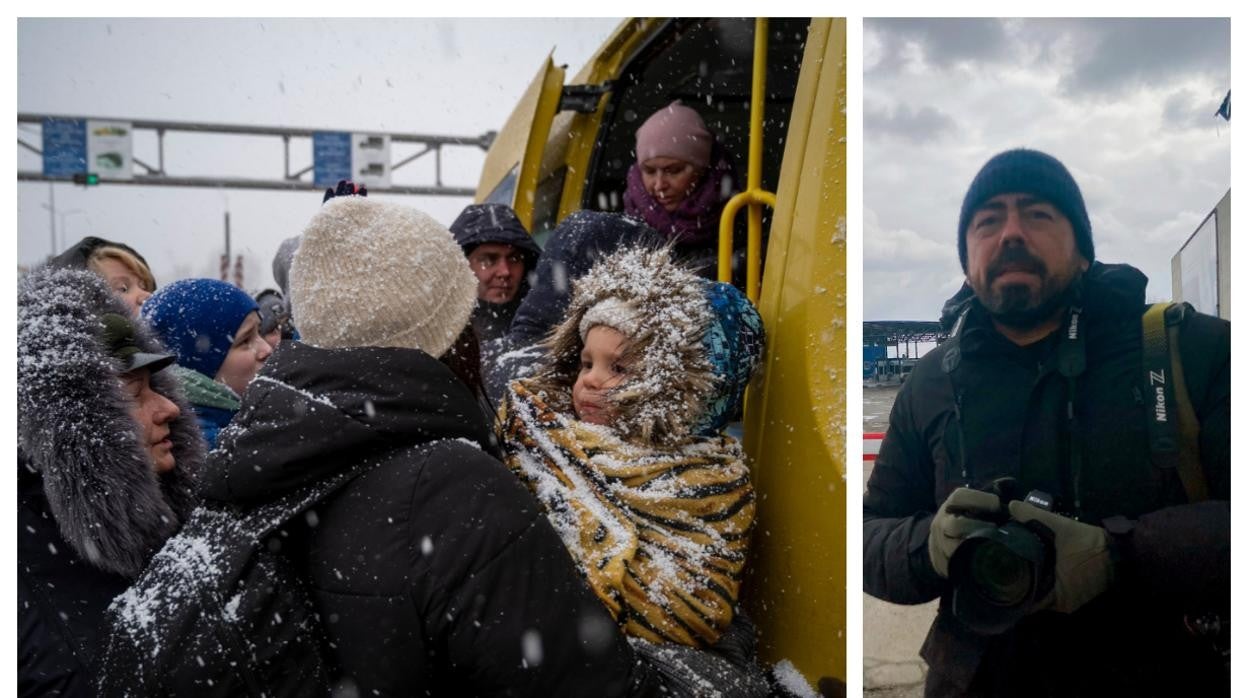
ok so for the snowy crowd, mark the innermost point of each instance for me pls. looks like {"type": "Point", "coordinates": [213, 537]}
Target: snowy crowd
{"type": "Point", "coordinates": [436, 461]}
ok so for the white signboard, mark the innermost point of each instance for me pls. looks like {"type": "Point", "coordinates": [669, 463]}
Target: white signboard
{"type": "Point", "coordinates": [110, 149]}
{"type": "Point", "coordinates": [1198, 261]}
{"type": "Point", "coordinates": [370, 160]}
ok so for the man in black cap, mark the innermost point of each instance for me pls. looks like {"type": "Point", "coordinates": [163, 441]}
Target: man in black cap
{"type": "Point", "coordinates": [1023, 480]}
{"type": "Point", "coordinates": [501, 254]}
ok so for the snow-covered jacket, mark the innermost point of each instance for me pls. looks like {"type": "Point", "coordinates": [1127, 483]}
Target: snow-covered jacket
{"type": "Point", "coordinates": [656, 506]}
{"type": "Point", "coordinates": [434, 571]}
{"type": "Point", "coordinates": [91, 509]}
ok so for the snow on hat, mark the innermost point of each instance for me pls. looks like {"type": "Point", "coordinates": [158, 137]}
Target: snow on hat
{"type": "Point", "coordinates": [734, 346]}
{"type": "Point", "coordinates": [1023, 171]}
{"type": "Point", "coordinates": [197, 319]}
{"type": "Point", "coordinates": [675, 131]}
{"type": "Point", "coordinates": [478, 224]}
{"type": "Point", "coordinates": [372, 273]}
{"type": "Point", "coordinates": [613, 312]}
{"type": "Point", "coordinates": [662, 309]}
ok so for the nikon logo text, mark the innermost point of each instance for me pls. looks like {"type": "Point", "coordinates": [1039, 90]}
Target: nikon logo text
{"type": "Point", "coordinates": [1073, 331]}
{"type": "Point", "coordinates": [1158, 380]}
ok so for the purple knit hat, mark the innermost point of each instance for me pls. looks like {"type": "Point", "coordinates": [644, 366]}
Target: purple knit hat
{"type": "Point", "coordinates": [675, 131]}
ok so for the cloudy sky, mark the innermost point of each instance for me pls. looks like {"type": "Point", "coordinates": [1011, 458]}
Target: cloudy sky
{"type": "Point", "coordinates": [1128, 105]}
{"type": "Point", "coordinates": [449, 77]}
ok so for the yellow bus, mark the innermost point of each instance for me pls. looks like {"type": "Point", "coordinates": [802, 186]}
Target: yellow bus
{"type": "Point", "coordinates": [775, 90]}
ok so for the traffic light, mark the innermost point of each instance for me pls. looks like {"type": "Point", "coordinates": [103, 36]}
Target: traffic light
{"type": "Point", "coordinates": [87, 179]}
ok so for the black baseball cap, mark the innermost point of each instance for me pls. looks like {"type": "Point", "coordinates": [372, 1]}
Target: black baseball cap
{"type": "Point", "coordinates": [121, 342]}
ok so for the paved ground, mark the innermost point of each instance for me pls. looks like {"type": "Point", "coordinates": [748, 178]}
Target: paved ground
{"type": "Point", "coordinates": [892, 634]}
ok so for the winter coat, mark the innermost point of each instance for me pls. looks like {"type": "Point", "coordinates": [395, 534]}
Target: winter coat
{"type": "Point", "coordinates": [433, 570]}
{"type": "Point", "coordinates": [76, 256]}
{"type": "Point", "coordinates": [214, 403]}
{"type": "Point", "coordinates": [91, 510]}
{"type": "Point", "coordinates": [492, 320]}
{"type": "Point", "coordinates": [979, 407]}
{"type": "Point", "coordinates": [574, 246]}
{"type": "Point", "coordinates": [661, 533]}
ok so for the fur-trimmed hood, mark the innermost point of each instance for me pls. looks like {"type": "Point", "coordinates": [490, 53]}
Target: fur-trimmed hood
{"type": "Point", "coordinates": [75, 430]}
{"type": "Point", "coordinates": [671, 378]}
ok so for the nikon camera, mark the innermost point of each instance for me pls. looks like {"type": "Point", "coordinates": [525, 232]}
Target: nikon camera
{"type": "Point", "coordinates": [1000, 574]}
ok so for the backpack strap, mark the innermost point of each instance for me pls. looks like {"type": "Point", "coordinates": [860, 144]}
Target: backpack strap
{"type": "Point", "coordinates": [1173, 429]}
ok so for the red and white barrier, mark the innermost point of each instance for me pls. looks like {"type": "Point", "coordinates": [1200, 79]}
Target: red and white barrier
{"type": "Point", "coordinates": [871, 445]}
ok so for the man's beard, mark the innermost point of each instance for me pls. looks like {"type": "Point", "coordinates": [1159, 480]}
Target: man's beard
{"type": "Point", "coordinates": [1017, 305]}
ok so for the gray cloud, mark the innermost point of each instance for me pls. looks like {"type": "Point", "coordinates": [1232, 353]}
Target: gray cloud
{"type": "Point", "coordinates": [1143, 145]}
{"type": "Point", "coordinates": [1097, 58]}
{"type": "Point", "coordinates": [1187, 109]}
{"type": "Point", "coordinates": [942, 42]}
{"type": "Point", "coordinates": [1126, 53]}
{"type": "Point", "coordinates": [916, 126]}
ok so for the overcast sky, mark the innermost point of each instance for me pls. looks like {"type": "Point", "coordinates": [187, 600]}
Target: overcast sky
{"type": "Point", "coordinates": [1128, 105]}
{"type": "Point", "coordinates": [449, 77]}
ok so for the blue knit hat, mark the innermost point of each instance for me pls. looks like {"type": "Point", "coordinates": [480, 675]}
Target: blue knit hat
{"type": "Point", "coordinates": [1023, 171]}
{"type": "Point", "coordinates": [734, 345]}
{"type": "Point", "coordinates": [197, 319]}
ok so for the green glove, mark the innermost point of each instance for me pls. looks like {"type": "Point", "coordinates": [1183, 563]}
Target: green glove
{"type": "Point", "coordinates": [1083, 567]}
{"type": "Point", "coordinates": [964, 512]}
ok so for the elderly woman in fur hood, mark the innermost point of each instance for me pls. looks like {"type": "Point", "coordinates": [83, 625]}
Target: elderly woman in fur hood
{"type": "Point", "coordinates": [106, 445]}
{"type": "Point", "coordinates": [618, 435]}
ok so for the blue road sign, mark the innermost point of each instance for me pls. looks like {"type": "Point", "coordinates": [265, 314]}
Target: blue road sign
{"type": "Point", "coordinates": [65, 147]}
{"type": "Point", "coordinates": [331, 157]}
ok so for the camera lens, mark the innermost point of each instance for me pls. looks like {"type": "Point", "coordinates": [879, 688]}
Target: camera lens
{"type": "Point", "coordinates": [999, 576]}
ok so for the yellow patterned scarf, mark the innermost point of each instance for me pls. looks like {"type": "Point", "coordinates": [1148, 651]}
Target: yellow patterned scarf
{"type": "Point", "coordinates": [660, 534]}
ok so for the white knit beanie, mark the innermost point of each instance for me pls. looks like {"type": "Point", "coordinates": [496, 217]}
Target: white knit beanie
{"type": "Point", "coordinates": [370, 273]}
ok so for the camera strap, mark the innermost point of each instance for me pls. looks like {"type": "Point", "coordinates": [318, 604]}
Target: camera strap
{"type": "Point", "coordinates": [1173, 430]}
{"type": "Point", "coordinates": [1071, 362]}
{"type": "Point", "coordinates": [949, 364]}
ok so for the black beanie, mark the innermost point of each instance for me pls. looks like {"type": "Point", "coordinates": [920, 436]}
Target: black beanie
{"type": "Point", "coordinates": [1023, 171]}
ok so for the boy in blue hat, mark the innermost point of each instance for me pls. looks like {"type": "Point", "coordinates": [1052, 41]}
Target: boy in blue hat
{"type": "Point", "coordinates": [214, 329]}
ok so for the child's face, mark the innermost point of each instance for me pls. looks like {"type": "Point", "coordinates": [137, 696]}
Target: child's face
{"type": "Point", "coordinates": [600, 371]}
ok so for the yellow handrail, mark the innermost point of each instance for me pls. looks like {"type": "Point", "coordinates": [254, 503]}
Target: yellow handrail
{"type": "Point", "coordinates": [754, 195]}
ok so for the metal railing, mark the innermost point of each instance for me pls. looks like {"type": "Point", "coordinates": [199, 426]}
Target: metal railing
{"type": "Point", "coordinates": [754, 195]}
{"type": "Point", "coordinates": [156, 175]}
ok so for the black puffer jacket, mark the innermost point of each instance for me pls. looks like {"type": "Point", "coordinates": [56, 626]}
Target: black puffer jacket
{"type": "Point", "coordinates": [434, 571]}
{"type": "Point", "coordinates": [1130, 640]}
{"type": "Point", "coordinates": [90, 508]}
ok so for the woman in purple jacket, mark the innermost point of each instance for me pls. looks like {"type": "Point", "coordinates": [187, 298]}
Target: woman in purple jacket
{"type": "Point", "coordinates": [680, 182]}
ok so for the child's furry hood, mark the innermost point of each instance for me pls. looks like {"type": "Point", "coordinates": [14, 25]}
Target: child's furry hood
{"type": "Point", "coordinates": [670, 376]}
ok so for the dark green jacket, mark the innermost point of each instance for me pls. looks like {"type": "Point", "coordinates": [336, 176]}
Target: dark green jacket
{"type": "Point", "coordinates": [1013, 422]}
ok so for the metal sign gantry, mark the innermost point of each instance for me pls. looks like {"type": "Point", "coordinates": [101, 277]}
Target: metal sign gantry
{"type": "Point", "coordinates": [156, 175]}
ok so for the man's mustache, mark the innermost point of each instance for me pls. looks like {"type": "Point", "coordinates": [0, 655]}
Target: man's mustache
{"type": "Point", "coordinates": [1015, 259]}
